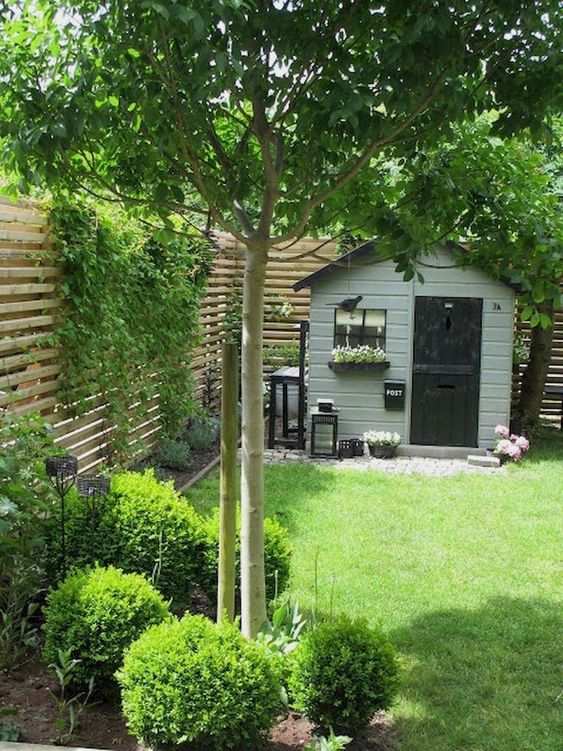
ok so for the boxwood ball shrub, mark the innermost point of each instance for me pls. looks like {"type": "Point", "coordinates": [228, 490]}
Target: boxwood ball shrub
{"type": "Point", "coordinates": [342, 673]}
{"type": "Point", "coordinates": [97, 614]}
{"type": "Point", "coordinates": [277, 555]}
{"type": "Point", "coordinates": [145, 527]}
{"type": "Point", "coordinates": [193, 682]}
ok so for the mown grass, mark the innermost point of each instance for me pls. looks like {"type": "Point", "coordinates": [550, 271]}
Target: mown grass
{"type": "Point", "coordinates": [463, 572]}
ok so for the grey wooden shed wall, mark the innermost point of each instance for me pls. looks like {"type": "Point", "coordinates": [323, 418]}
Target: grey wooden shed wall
{"type": "Point", "coordinates": [359, 395]}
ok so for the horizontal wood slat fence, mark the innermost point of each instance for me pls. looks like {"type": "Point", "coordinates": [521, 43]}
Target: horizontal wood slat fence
{"type": "Point", "coordinates": [551, 405]}
{"type": "Point", "coordinates": [29, 305]}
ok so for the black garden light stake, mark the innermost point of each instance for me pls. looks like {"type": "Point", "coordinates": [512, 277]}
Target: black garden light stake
{"type": "Point", "coordinates": [62, 471]}
{"type": "Point", "coordinates": [93, 488]}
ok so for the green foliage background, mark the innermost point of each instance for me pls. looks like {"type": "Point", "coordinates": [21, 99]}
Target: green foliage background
{"type": "Point", "coordinates": [130, 319]}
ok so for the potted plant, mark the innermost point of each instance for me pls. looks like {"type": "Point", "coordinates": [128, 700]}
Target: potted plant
{"type": "Point", "coordinates": [509, 447]}
{"type": "Point", "coordinates": [382, 444]}
{"type": "Point", "coordinates": [362, 357]}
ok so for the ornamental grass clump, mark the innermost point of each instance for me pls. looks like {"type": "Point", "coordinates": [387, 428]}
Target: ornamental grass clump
{"type": "Point", "coordinates": [344, 671]}
{"type": "Point", "coordinates": [95, 615]}
{"type": "Point", "coordinates": [195, 683]}
{"type": "Point", "coordinates": [173, 454]}
{"type": "Point", "coordinates": [362, 353]}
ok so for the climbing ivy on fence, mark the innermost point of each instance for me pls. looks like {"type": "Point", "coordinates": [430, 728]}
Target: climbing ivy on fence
{"type": "Point", "coordinates": [130, 318]}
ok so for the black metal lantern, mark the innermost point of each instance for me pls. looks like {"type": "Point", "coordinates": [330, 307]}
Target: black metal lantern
{"type": "Point", "coordinates": [324, 433]}
{"type": "Point", "coordinates": [94, 490]}
{"type": "Point", "coordinates": [62, 471]}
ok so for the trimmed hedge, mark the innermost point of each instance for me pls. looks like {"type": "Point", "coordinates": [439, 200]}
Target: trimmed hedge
{"type": "Point", "coordinates": [343, 672]}
{"type": "Point", "coordinates": [160, 533]}
{"type": "Point", "coordinates": [96, 615]}
{"type": "Point", "coordinates": [277, 555]}
{"type": "Point", "coordinates": [193, 682]}
{"type": "Point", "coordinates": [145, 527]}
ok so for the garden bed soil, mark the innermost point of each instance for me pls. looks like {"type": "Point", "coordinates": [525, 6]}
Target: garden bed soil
{"type": "Point", "coordinates": [30, 689]}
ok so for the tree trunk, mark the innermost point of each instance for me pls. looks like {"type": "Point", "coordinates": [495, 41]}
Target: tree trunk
{"type": "Point", "coordinates": [253, 588]}
{"type": "Point", "coordinates": [535, 374]}
{"type": "Point", "coordinates": [228, 505]}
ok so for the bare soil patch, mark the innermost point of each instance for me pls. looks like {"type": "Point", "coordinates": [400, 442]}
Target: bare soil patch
{"type": "Point", "coordinates": [31, 690]}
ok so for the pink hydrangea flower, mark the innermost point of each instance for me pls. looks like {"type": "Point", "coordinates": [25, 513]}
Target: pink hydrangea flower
{"type": "Point", "coordinates": [513, 437]}
{"type": "Point", "coordinates": [504, 447]}
{"type": "Point", "coordinates": [502, 431]}
{"type": "Point", "coordinates": [514, 452]}
{"type": "Point", "coordinates": [523, 443]}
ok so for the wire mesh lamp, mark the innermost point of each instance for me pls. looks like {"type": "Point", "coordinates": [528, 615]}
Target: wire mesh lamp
{"type": "Point", "coordinates": [94, 490]}
{"type": "Point", "coordinates": [62, 471]}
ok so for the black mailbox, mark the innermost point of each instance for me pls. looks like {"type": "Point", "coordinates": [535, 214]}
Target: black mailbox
{"type": "Point", "coordinates": [395, 394]}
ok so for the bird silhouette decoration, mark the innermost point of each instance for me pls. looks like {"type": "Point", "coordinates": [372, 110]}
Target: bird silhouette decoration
{"type": "Point", "coordinates": [350, 304]}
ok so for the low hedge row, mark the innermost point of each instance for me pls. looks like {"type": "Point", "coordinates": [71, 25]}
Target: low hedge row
{"type": "Point", "coordinates": [205, 686]}
{"type": "Point", "coordinates": [145, 526]}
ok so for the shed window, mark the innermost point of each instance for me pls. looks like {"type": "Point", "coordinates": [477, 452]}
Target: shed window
{"type": "Point", "coordinates": [359, 327]}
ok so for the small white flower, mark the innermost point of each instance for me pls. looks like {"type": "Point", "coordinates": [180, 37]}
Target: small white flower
{"type": "Point", "coordinates": [361, 353]}
{"type": "Point", "coordinates": [381, 438]}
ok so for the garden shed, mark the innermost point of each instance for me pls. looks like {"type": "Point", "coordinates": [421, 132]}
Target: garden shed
{"type": "Point", "coordinates": [446, 377]}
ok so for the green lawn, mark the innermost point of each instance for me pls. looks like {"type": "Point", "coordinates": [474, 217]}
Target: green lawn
{"type": "Point", "coordinates": [464, 574]}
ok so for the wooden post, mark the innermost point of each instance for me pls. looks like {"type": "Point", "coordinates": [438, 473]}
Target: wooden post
{"type": "Point", "coordinates": [228, 501]}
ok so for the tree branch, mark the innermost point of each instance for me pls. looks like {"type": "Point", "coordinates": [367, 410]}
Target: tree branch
{"type": "Point", "coordinates": [355, 168]}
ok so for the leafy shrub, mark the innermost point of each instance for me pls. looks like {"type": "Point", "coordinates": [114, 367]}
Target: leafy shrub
{"type": "Point", "coordinates": [343, 672]}
{"type": "Point", "coordinates": [282, 354]}
{"type": "Point", "coordinates": [192, 681]}
{"type": "Point", "coordinates": [95, 615]}
{"type": "Point", "coordinates": [173, 454]}
{"type": "Point", "coordinates": [203, 432]}
{"type": "Point", "coordinates": [132, 292]}
{"type": "Point", "coordinates": [145, 527]}
{"type": "Point", "coordinates": [277, 555]}
{"type": "Point", "coordinates": [332, 743]}
{"type": "Point", "coordinates": [26, 500]}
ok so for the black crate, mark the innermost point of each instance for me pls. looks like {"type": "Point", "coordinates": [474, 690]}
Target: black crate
{"type": "Point", "coordinates": [345, 449]}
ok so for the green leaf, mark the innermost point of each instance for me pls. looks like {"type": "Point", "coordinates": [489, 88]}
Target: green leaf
{"type": "Point", "coordinates": [538, 292]}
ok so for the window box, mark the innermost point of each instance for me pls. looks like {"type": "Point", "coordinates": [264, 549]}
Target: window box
{"type": "Point", "coordinates": [339, 367]}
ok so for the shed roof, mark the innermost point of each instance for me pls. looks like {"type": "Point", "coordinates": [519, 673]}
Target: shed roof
{"type": "Point", "coordinates": [365, 252]}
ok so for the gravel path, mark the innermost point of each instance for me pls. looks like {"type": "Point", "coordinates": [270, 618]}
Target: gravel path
{"type": "Point", "coordinates": [398, 465]}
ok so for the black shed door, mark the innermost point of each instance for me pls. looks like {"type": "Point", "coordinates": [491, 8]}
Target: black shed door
{"type": "Point", "coordinates": [446, 368]}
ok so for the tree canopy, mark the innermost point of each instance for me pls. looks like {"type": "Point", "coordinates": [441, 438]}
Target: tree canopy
{"type": "Point", "coordinates": [499, 196]}
{"type": "Point", "coordinates": [257, 110]}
